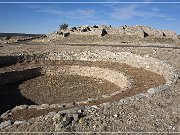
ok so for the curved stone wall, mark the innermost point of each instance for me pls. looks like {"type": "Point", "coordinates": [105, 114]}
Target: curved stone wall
{"type": "Point", "coordinates": [117, 77]}
{"type": "Point", "coordinates": [145, 62]}
{"type": "Point", "coordinates": [110, 75]}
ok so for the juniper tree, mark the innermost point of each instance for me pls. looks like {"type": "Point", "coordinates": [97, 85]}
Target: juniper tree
{"type": "Point", "coordinates": [63, 26]}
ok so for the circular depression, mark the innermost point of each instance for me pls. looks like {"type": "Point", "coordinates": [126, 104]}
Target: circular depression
{"type": "Point", "coordinates": [66, 81]}
{"type": "Point", "coordinates": [56, 87]}
{"type": "Point", "coordinates": [61, 78]}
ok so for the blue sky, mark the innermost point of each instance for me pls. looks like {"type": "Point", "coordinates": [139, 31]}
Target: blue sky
{"type": "Point", "coordinates": [45, 18]}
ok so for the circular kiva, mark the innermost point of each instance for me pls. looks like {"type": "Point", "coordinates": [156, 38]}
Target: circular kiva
{"type": "Point", "coordinates": [58, 78]}
{"type": "Point", "coordinates": [113, 76]}
{"type": "Point", "coordinates": [63, 83]}
{"type": "Point", "coordinates": [145, 62]}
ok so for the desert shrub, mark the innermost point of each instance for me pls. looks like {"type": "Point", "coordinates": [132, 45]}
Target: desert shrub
{"type": "Point", "coordinates": [63, 26]}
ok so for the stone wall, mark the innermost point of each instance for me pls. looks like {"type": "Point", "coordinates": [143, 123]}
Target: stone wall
{"type": "Point", "coordinates": [169, 34]}
{"type": "Point", "coordinates": [18, 76]}
{"type": "Point", "coordinates": [136, 31]}
{"type": "Point", "coordinates": [151, 32]}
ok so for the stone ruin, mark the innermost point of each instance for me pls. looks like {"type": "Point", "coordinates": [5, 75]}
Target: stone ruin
{"type": "Point", "coordinates": [102, 30]}
{"type": "Point", "coordinates": [20, 73]}
{"type": "Point", "coordinates": [35, 81]}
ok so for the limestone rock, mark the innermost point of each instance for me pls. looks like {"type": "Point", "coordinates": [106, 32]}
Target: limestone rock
{"type": "Point", "coordinates": [95, 26]}
{"type": "Point", "coordinates": [134, 31]}
{"type": "Point", "coordinates": [66, 121]}
{"type": "Point", "coordinates": [76, 117]}
{"type": "Point", "coordinates": [51, 114]}
{"type": "Point", "coordinates": [104, 32]}
{"type": "Point", "coordinates": [169, 34]}
{"type": "Point", "coordinates": [4, 115]}
{"type": "Point", "coordinates": [54, 36]}
{"type": "Point", "coordinates": [117, 30]}
{"type": "Point", "coordinates": [151, 32]}
{"type": "Point", "coordinates": [66, 33]}
{"type": "Point", "coordinates": [74, 28]}
{"type": "Point", "coordinates": [138, 32]}
{"type": "Point", "coordinates": [19, 122]}
{"type": "Point", "coordinates": [5, 124]}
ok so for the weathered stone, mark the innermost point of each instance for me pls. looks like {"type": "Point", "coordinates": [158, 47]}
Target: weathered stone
{"type": "Point", "coordinates": [74, 28]}
{"type": "Point", "coordinates": [117, 31]}
{"type": "Point", "coordinates": [91, 99]}
{"type": "Point", "coordinates": [66, 121]}
{"type": "Point", "coordinates": [151, 32]}
{"type": "Point", "coordinates": [84, 30]}
{"type": "Point", "coordinates": [1, 41]}
{"type": "Point", "coordinates": [104, 32]}
{"type": "Point", "coordinates": [51, 114]}
{"type": "Point", "coordinates": [66, 33]}
{"type": "Point", "coordinates": [80, 112]}
{"type": "Point", "coordinates": [5, 124]}
{"type": "Point", "coordinates": [115, 115]}
{"type": "Point", "coordinates": [88, 28]}
{"type": "Point", "coordinates": [4, 115]}
{"type": "Point", "coordinates": [134, 31]}
{"type": "Point", "coordinates": [95, 26]}
{"type": "Point", "coordinates": [22, 106]}
{"type": "Point", "coordinates": [54, 36]}
{"type": "Point", "coordinates": [76, 117]}
{"type": "Point", "coordinates": [169, 34]}
{"type": "Point", "coordinates": [57, 127]}
{"type": "Point", "coordinates": [94, 106]}
{"type": "Point", "coordinates": [43, 106]}
{"type": "Point", "coordinates": [57, 118]}
{"type": "Point", "coordinates": [82, 121]}
{"type": "Point", "coordinates": [19, 122]}
{"type": "Point", "coordinates": [33, 106]}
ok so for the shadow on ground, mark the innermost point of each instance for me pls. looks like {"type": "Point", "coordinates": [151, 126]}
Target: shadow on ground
{"type": "Point", "coordinates": [10, 60]}
{"type": "Point", "coordinates": [10, 95]}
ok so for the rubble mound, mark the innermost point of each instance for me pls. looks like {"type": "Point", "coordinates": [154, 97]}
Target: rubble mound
{"type": "Point", "coordinates": [100, 31]}
{"type": "Point", "coordinates": [12, 38]}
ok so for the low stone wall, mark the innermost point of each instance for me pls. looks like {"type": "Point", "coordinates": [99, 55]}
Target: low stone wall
{"type": "Point", "coordinates": [151, 32]}
{"type": "Point", "coordinates": [110, 75]}
{"type": "Point", "coordinates": [145, 62]}
{"type": "Point", "coordinates": [136, 31]}
{"type": "Point", "coordinates": [18, 76]}
{"type": "Point", "coordinates": [151, 64]}
{"type": "Point", "coordinates": [169, 34]}
{"type": "Point", "coordinates": [134, 60]}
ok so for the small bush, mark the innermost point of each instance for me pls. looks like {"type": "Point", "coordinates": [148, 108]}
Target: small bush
{"type": "Point", "coordinates": [63, 26]}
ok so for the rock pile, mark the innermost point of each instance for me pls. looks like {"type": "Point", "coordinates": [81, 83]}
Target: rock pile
{"type": "Point", "coordinates": [170, 34]}
{"type": "Point", "coordinates": [178, 36]}
{"type": "Point", "coordinates": [134, 31]}
{"type": "Point", "coordinates": [89, 30]}
{"type": "Point", "coordinates": [150, 32]}
{"type": "Point", "coordinates": [16, 39]}
{"type": "Point", "coordinates": [100, 31]}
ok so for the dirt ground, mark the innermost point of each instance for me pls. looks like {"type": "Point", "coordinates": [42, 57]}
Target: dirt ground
{"type": "Point", "coordinates": [158, 113]}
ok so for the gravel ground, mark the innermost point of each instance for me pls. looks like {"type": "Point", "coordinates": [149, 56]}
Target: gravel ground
{"type": "Point", "coordinates": [157, 113]}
